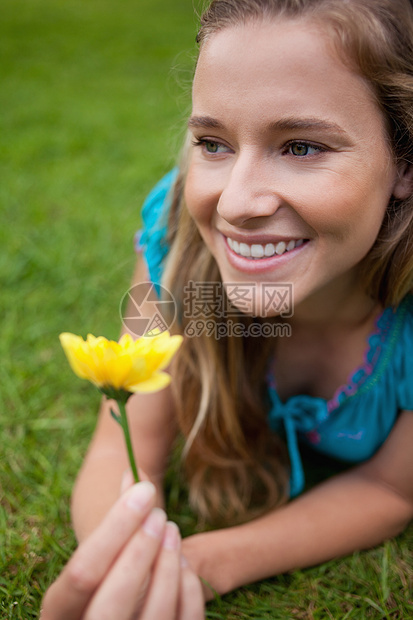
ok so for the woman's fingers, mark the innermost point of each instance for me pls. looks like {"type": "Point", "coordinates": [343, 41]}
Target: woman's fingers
{"type": "Point", "coordinates": [70, 594]}
{"type": "Point", "coordinates": [191, 597]}
{"type": "Point", "coordinates": [122, 594]}
{"type": "Point", "coordinates": [127, 481]}
{"type": "Point", "coordinates": [162, 598]}
{"type": "Point", "coordinates": [129, 567]}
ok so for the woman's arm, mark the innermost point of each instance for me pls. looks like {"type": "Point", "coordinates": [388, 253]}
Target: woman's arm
{"type": "Point", "coordinates": [153, 430]}
{"type": "Point", "coordinates": [354, 510]}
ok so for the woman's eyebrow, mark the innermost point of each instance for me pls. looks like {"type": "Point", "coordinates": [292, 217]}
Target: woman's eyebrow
{"type": "Point", "coordinates": [206, 122]}
{"type": "Point", "coordinates": [306, 124]}
{"type": "Point", "coordinates": [284, 124]}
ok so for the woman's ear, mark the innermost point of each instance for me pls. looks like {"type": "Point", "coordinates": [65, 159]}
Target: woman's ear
{"type": "Point", "coordinates": [403, 186]}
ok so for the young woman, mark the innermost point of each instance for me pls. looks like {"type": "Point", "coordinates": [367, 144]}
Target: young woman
{"type": "Point", "coordinates": [297, 173]}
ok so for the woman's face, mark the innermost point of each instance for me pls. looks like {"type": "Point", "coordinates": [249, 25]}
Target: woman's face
{"type": "Point", "coordinates": [290, 173]}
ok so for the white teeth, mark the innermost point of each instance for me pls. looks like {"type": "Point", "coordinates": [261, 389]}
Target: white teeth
{"type": "Point", "coordinates": [244, 250]}
{"type": "Point", "coordinates": [256, 250]}
{"type": "Point", "coordinates": [269, 249]}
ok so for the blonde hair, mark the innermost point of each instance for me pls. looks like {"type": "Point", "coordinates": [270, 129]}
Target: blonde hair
{"type": "Point", "coordinates": [235, 467]}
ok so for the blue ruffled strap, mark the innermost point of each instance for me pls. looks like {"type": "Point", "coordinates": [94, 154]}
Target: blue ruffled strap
{"type": "Point", "coordinates": [152, 239]}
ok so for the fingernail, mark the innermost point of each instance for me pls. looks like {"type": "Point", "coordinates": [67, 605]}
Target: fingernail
{"type": "Point", "coordinates": [140, 495]}
{"type": "Point", "coordinates": [184, 562]}
{"type": "Point", "coordinates": [154, 524]}
{"type": "Point", "coordinates": [171, 538]}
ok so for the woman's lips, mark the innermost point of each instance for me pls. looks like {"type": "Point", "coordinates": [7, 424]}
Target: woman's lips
{"type": "Point", "coordinates": [259, 251]}
{"type": "Point", "coordinates": [259, 257]}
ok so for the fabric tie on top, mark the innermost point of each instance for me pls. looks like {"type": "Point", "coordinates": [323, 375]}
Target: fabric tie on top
{"type": "Point", "coordinates": [299, 414]}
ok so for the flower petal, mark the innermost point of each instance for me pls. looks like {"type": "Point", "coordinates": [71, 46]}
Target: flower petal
{"type": "Point", "coordinates": [72, 346]}
{"type": "Point", "coordinates": [158, 381]}
{"type": "Point", "coordinates": [131, 365]}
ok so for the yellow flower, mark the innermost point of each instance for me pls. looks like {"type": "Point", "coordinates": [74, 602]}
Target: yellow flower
{"type": "Point", "coordinates": [125, 366]}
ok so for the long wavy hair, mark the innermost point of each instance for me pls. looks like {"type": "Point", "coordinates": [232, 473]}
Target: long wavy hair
{"type": "Point", "coordinates": [235, 467]}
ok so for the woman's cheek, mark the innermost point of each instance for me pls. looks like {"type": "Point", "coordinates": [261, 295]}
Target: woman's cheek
{"type": "Point", "coordinates": [198, 198]}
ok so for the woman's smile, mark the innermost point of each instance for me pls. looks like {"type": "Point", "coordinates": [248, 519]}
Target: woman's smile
{"type": "Point", "coordinates": [289, 174]}
{"type": "Point", "coordinates": [260, 250]}
{"type": "Point", "coordinates": [262, 258]}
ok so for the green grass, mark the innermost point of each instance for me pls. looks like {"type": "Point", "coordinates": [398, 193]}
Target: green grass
{"type": "Point", "coordinates": [92, 97]}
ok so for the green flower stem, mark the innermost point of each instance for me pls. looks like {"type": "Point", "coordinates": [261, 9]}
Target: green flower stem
{"type": "Point", "coordinates": [124, 423]}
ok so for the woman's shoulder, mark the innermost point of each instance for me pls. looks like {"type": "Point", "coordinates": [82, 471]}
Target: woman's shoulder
{"type": "Point", "coordinates": [403, 353]}
{"type": "Point", "coordinates": [394, 328]}
{"type": "Point", "coordinates": [158, 201]}
{"type": "Point", "coordinates": [395, 336]}
{"type": "Point", "coordinates": [151, 239]}
{"type": "Point", "coordinates": [387, 369]}
{"type": "Point", "coordinates": [404, 323]}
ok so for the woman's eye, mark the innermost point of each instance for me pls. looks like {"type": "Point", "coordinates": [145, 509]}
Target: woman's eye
{"type": "Point", "coordinates": [211, 146]}
{"type": "Point", "coordinates": [301, 149]}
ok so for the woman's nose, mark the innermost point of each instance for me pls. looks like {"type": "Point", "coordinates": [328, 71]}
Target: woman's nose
{"type": "Point", "coordinates": [249, 192]}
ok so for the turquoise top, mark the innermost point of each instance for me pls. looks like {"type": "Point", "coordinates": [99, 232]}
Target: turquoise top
{"type": "Point", "coordinates": [356, 421]}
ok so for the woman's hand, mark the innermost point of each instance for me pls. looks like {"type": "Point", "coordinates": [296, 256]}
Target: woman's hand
{"type": "Point", "coordinates": [128, 568]}
{"type": "Point", "coordinates": [200, 551]}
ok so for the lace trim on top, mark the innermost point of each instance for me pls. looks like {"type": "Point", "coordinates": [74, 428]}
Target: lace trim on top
{"type": "Point", "coordinates": [378, 352]}
{"type": "Point", "coordinates": [377, 355]}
